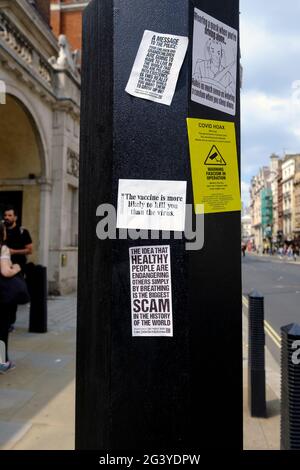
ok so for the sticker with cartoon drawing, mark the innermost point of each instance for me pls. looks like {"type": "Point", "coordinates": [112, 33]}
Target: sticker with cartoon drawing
{"type": "Point", "coordinates": [214, 63]}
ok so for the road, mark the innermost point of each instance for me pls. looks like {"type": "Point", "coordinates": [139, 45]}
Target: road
{"type": "Point", "coordinates": [279, 282]}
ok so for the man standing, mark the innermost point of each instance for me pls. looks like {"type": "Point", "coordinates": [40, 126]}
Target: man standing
{"type": "Point", "coordinates": [20, 244]}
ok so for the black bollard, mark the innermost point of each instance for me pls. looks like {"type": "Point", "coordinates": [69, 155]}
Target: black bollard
{"type": "Point", "coordinates": [36, 278]}
{"type": "Point", "coordinates": [290, 387]}
{"type": "Point", "coordinates": [256, 356]}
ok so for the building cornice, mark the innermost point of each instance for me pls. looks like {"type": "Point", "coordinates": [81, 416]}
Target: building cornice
{"type": "Point", "coordinates": [68, 7]}
{"type": "Point", "coordinates": [68, 105]}
{"type": "Point", "coordinates": [11, 62]}
{"type": "Point", "coordinates": [19, 182]}
{"type": "Point", "coordinates": [21, 56]}
{"type": "Point", "coordinates": [30, 21]}
{"type": "Point", "coordinates": [24, 74]}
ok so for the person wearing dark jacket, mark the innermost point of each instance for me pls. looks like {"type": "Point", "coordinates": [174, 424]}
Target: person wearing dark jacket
{"type": "Point", "coordinates": [20, 245]}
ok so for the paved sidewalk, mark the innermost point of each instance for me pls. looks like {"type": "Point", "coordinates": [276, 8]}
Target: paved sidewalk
{"type": "Point", "coordinates": [262, 433]}
{"type": "Point", "coordinates": [37, 399]}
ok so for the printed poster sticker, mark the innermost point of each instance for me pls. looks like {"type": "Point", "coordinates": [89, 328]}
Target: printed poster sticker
{"type": "Point", "coordinates": [151, 292]}
{"type": "Point", "coordinates": [214, 165]}
{"type": "Point", "coordinates": [157, 65]}
{"type": "Point", "coordinates": [151, 205]}
{"type": "Point", "coordinates": [214, 63]}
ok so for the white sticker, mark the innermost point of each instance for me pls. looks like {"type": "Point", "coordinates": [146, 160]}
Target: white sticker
{"type": "Point", "coordinates": [151, 291]}
{"type": "Point", "coordinates": [214, 63]}
{"type": "Point", "coordinates": [151, 205]}
{"type": "Point", "coordinates": [157, 65]}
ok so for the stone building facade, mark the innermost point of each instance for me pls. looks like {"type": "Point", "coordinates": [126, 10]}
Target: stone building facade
{"type": "Point", "coordinates": [39, 137]}
{"type": "Point", "coordinates": [288, 195]}
{"type": "Point", "coordinates": [275, 168]}
{"type": "Point", "coordinates": [246, 227]}
{"type": "Point", "coordinates": [279, 203]}
{"type": "Point", "coordinates": [297, 199]}
{"type": "Point", "coordinates": [258, 183]}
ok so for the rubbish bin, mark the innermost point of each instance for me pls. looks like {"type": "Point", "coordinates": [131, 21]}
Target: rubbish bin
{"type": "Point", "coordinates": [36, 278]}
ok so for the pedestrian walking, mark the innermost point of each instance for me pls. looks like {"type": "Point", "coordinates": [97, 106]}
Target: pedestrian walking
{"type": "Point", "coordinates": [295, 251]}
{"type": "Point", "coordinates": [244, 249]}
{"type": "Point", "coordinates": [289, 252]}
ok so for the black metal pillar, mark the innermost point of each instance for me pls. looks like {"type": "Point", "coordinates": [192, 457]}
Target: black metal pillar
{"type": "Point", "coordinates": [36, 278]}
{"type": "Point", "coordinates": [256, 356]}
{"type": "Point", "coordinates": [181, 392]}
{"type": "Point", "coordinates": [290, 388]}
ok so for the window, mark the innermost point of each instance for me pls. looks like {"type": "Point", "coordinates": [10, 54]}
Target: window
{"type": "Point", "coordinates": [70, 227]}
{"type": "Point", "coordinates": [74, 219]}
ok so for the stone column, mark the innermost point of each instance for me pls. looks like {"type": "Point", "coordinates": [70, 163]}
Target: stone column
{"type": "Point", "coordinates": [45, 201]}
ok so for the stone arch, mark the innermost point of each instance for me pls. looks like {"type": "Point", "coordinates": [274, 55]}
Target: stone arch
{"type": "Point", "coordinates": [37, 125]}
{"type": "Point", "coordinates": [25, 166]}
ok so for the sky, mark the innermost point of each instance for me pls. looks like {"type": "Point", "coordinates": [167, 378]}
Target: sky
{"type": "Point", "coordinates": [270, 97]}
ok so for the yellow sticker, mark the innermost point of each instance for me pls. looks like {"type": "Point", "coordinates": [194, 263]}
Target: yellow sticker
{"type": "Point", "coordinates": [214, 165]}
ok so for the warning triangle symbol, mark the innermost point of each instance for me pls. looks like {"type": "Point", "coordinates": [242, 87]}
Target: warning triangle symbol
{"type": "Point", "coordinates": [214, 157]}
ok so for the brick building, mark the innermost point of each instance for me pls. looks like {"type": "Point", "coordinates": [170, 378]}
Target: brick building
{"type": "Point", "coordinates": [66, 18]}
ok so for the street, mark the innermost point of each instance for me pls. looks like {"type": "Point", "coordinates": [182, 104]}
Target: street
{"type": "Point", "coordinates": [279, 282]}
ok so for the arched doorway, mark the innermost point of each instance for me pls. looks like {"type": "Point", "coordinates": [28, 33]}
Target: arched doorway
{"type": "Point", "coordinates": [21, 165]}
